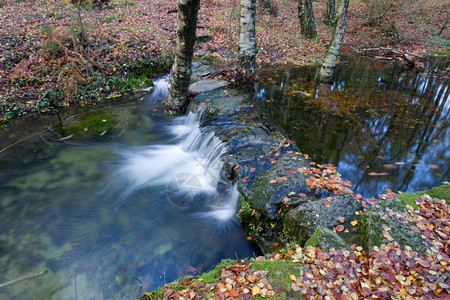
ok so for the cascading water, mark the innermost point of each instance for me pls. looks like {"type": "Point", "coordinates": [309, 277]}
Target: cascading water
{"type": "Point", "coordinates": [102, 218]}
{"type": "Point", "coordinates": [190, 168]}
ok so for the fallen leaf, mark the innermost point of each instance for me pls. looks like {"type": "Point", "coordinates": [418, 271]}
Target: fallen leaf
{"type": "Point", "coordinates": [354, 223]}
{"type": "Point", "coordinates": [341, 219]}
{"type": "Point", "coordinates": [252, 170]}
{"type": "Point", "coordinates": [339, 228]}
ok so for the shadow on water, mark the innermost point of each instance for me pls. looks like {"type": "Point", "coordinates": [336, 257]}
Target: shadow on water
{"type": "Point", "coordinates": [382, 126]}
{"type": "Point", "coordinates": [116, 202]}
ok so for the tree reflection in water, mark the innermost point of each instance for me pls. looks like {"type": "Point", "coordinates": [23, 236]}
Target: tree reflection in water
{"type": "Point", "coordinates": [382, 126]}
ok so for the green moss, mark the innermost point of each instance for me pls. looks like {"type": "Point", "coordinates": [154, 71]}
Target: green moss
{"type": "Point", "coordinates": [325, 239]}
{"type": "Point", "coordinates": [96, 121]}
{"type": "Point", "coordinates": [214, 274]}
{"type": "Point", "coordinates": [441, 192]}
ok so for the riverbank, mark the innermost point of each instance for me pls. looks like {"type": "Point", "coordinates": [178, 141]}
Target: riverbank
{"type": "Point", "coordinates": [382, 264]}
{"type": "Point", "coordinates": [54, 54]}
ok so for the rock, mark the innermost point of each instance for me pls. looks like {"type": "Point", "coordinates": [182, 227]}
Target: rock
{"type": "Point", "coordinates": [326, 239]}
{"type": "Point", "coordinates": [267, 196]}
{"type": "Point", "coordinates": [206, 85]}
{"type": "Point", "coordinates": [219, 104]}
{"type": "Point", "coordinates": [199, 71]}
{"type": "Point", "coordinates": [302, 221]}
{"type": "Point", "coordinates": [381, 224]}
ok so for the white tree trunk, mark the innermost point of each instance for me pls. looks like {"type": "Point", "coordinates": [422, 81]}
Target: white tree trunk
{"type": "Point", "coordinates": [184, 50]}
{"type": "Point", "coordinates": [247, 34]}
{"type": "Point", "coordinates": [330, 59]}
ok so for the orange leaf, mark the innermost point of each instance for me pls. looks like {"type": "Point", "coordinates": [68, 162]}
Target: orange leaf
{"type": "Point", "coordinates": [339, 228]}
{"type": "Point", "coordinates": [252, 169]}
{"type": "Point", "coordinates": [245, 179]}
{"type": "Point", "coordinates": [235, 167]}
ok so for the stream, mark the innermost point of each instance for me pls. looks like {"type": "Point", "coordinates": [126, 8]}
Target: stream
{"type": "Point", "coordinates": [121, 199]}
{"type": "Point", "coordinates": [117, 202]}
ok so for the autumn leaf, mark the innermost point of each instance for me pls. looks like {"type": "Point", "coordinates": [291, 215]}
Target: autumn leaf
{"type": "Point", "coordinates": [339, 228]}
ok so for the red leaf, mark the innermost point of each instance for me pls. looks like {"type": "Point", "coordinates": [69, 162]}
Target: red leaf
{"type": "Point", "coordinates": [415, 229]}
{"type": "Point", "coordinates": [245, 179]}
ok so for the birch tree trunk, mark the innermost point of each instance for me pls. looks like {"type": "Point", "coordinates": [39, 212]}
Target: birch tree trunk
{"type": "Point", "coordinates": [306, 18]}
{"type": "Point", "coordinates": [331, 12]}
{"type": "Point", "coordinates": [184, 49]}
{"type": "Point", "coordinates": [329, 61]}
{"type": "Point", "coordinates": [247, 35]}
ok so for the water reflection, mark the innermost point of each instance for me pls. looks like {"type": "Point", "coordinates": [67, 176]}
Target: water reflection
{"type": "Point", "coordinates": [382, 126]}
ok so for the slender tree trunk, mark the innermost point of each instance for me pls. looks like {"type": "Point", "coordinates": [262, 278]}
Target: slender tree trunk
{"type": "Point", "coordinates": [247, 35]}
{"type": "Point", "coordinates": [329, 62]}
{"type": "Point", "coordinates": [184, 49]}
{"type": "Point", "coordinates": [331, 12]}
{"type": "Point", "coordinates": [306, 18]}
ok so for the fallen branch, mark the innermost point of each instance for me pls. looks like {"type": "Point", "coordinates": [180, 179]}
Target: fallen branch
{"type": "Point", "coordinates": [386, 49]}
{"type": "Point", "coordinates": [26, 277]}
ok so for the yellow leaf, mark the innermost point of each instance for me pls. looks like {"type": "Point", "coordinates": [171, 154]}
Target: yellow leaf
{"type": "Point", "coordinates": [403, 292]}
{"type": "Point", "coordinates": [256, 290]}
{"type": "Point", "coordinates": [293, 278]}
{"type": "Point", "coordinates": [354, 223]}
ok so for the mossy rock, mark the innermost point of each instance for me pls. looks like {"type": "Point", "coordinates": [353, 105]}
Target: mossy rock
{"type": "Point", "coordinates": [440, 192]}
{"type": "Point", "coordinates": [326, 239]}
{"type": "Point", "coordinates": [267, 196]}
{"type": "Point", "coordinates": [389, 214]}
{"type": "Point", "coordinates": [301, 222]}
{"type": "Point", "coordinates": [219, 103]}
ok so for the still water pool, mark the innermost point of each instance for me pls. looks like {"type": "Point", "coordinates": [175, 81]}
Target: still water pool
{"type": "Point", "coordinates": [91, 209]}
{"type": "Point", "coordinates": [382, 126]}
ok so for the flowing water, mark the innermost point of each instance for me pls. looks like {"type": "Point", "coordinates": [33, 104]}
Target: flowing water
{"type": "Point", "coordinates": [114, 203]}
{"type": "Point", "coordinates": [119, 200]}
{"type": "Point", "coordinates": [382, 126]}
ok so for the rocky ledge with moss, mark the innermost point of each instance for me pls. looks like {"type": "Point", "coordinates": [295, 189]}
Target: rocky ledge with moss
{"type": "Point", "coordinates": [330, 246]}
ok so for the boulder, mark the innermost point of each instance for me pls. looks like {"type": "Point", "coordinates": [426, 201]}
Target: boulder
{"type": "Point", "coordinates": [326, 239]}
{"type": "Point", "coordinates": [303, 221]}
{"type": "Point", "coordinates": [382, 223]}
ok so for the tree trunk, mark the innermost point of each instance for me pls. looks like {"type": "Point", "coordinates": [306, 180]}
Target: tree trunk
{"type": "Point", "coordinates": [331, 12]}
{"type": "Point", "coordinates": [306, 18]}
{"type": "Point", "coordinates": [329, 62]}
{"type": "Point", "coordinates": [247, 35]}
{"type": "Point", "coordinates": [184, 49]}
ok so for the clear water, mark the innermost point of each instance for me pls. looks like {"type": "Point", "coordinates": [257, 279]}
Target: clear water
{"type": "Point", "coordinates": [115, 203]}
{"type": "Point", "coordinates": [380, 125]}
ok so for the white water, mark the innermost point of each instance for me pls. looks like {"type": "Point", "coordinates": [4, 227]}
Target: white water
{"type": "Point", "coordinates": [188, 167]}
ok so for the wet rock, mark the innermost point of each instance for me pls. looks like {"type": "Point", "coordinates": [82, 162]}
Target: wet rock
{"type": "Point", "coordinates": [388, 217]}
{"type": "Point", "coordinates": [200, 71]}
{"type": "Point", "coordinates": [303, 221]}
{"type": "Point", "coordinates": [206, 85]}
{"type": "Point", "coordinates": [326, 239]}
{"type": "Point", "coordinates": [280, 183]}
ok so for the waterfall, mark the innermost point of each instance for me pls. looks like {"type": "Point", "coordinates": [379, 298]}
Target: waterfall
{"type": "Point", "coordinates": [187, 169]}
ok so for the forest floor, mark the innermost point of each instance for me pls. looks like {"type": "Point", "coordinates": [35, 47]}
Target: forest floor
{"type": "Point", "coordinates": [46, 63]}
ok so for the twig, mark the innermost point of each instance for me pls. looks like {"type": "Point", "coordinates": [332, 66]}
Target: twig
{"type": "Point", "coordinates": [26, 277]}
{"type": "Point", "coordinates": [21, 140]}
